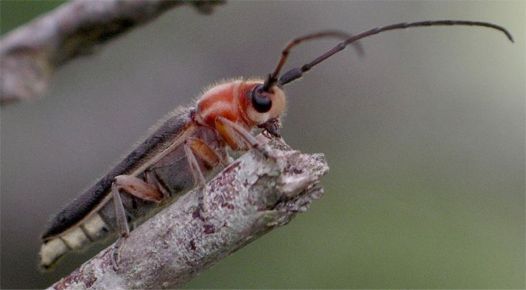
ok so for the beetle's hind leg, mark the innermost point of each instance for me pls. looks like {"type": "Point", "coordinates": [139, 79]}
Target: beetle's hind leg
{"type": "Point", "coordinates": [138, 188]}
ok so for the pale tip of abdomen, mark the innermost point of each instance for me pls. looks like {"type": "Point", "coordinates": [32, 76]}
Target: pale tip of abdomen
{"type": "Point", "coordinates": [51, 251]}
{"type": "Point", "coordinates": [75, 238]}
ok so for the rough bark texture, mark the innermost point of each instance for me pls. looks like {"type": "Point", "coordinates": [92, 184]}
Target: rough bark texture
{"type": "Point", "coordinates": [251, 196]}
{"type": "Point", "coordinates": [30, 54]}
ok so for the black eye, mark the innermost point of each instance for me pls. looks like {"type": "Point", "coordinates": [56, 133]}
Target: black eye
{"type": "Point", "coordinates": [262, 103]}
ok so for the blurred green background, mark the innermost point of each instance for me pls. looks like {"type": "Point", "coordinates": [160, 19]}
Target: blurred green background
{"type": "Point", "coordinates": [425, 137]}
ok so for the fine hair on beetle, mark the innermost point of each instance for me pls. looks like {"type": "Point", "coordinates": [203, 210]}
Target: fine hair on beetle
{"type": "Point", "coordinates": [262, 102]}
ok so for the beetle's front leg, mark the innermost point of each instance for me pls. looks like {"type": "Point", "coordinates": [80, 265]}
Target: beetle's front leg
{"type": "Point", "coordinates": [137, 188]}
{"type": "Point", "coordinates": [238, 137]}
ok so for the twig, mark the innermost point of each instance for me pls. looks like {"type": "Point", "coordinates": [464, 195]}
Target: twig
{"type": "Point", "coordinates": [30, 54]}
{"type": "Point", "coordinates": [251, 196]}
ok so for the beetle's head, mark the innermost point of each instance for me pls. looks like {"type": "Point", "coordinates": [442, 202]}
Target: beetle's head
{"type": "Point", "coordinates": [265, 107]}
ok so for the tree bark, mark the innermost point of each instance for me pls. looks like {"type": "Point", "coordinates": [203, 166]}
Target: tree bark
{"type": "Point", "coordinates": [30, 54]}
{"type": "Point", "coordinates": [250, 197]}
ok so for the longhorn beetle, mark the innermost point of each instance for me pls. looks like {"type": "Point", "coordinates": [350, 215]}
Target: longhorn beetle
{"type": "Point", "coordinates": [190, 145]}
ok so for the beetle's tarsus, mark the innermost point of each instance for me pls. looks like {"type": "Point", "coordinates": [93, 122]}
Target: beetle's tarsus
{"type": "Point", "coordinates": [115, 252]}
{"type": "Point", "coordinates": [201, 202]}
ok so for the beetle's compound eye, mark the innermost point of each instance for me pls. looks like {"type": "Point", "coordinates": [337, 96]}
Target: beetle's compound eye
{"type": "Point", "coordinates": [261, 102]}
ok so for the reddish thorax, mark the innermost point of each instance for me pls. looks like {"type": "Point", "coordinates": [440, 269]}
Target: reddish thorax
{"type": "Point", "coordinates": [229, 100]}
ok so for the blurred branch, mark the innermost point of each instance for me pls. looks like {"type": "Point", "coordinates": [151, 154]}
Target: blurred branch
{"type": "Point", "coordinates": [247, 199]}
{"type": "Point", "coordinates": [30, 54]}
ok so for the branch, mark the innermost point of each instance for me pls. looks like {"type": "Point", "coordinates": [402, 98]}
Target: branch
{"type": "Point", "coordinates": [250, 197]}
{"type": "Point", "coordinates": [30, 54]}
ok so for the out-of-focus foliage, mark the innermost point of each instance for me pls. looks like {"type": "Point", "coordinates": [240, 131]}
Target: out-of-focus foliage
{"type": "Point", "coordinates": [17, 12]}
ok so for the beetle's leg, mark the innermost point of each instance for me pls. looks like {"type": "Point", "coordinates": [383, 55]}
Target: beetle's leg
{"type": "Point", "coordinates": [238, 137]}
{"type": "Point", "coordinates": [197, 174]}
{"type": "Point", "coordinates": [204, 152]}
{"type": "Point", "coordinates": [235, 135]}
{"type": "Point", "coordinates": [120, 212]}
{"type": "Point", "coordinates": [196, 148]}
{"type": "Point", "coordinates": [122, 223]}
{"type": "Point", "coordinates": [115, 253]}
{"type": "Point", "coordinates": [152, 178]}
{"type": "Point", "coordinates": [136, 187]}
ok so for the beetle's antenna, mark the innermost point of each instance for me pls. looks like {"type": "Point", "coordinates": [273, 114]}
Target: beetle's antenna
{"type": "Point", "coordinates": [298, 72]}
{"type": "Point", "coordinates": [272, 78]}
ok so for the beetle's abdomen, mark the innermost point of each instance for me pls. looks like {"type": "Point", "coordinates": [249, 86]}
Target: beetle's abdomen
{"type": "Point", "coordinates": [92, 229]}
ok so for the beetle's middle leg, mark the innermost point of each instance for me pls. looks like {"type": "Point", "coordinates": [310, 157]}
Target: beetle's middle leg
{"type": "Point", "coordinates": [196, 149]}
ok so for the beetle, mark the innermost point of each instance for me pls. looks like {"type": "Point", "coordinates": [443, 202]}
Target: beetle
{"type": "Point", "coordinates": [190, 145]}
